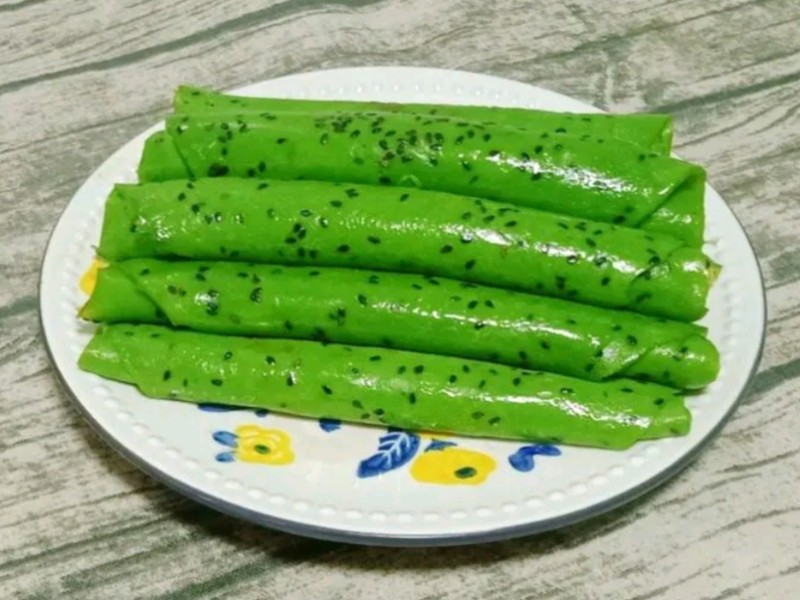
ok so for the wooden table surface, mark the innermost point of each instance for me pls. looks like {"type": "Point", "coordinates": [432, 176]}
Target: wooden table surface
{"type": "Point", "coordinates": [78, 78]}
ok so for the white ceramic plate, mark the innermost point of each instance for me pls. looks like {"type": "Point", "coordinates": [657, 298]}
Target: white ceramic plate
{"type": "Point", "coordinates": [331, 481]}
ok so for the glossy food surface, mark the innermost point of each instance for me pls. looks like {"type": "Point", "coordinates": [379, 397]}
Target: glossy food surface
{"type": "Point", "coordinates": [583, 176]}
{"type": "Point", "coordinates": [375, 227]}
{"type": "Point", "coordinates": [387, 387]}
{"type": "Point", "coordinates": [410, 312]}
{"type": "Point", "coordinates": [652, 132]}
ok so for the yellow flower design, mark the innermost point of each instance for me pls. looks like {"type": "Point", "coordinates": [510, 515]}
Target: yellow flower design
{"type": "Point", "coordinates": [89, 278]}
{"type": "Point", "coordinates": [266, 446]}
{"type": "Point", "coordinates": [452, 466]}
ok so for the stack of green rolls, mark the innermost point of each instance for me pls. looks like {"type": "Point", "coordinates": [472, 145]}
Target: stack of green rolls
{"type": "Point", "coordinates": [495, 272]}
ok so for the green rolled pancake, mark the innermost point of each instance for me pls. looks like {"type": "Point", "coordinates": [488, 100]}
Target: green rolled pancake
{"type": "Point", "coordinates": [651, 132]}
{"type": "Point", "coordinates": [591, 178]}
{"type": "Point", "coordinates": [408, 312]}
{"type": "Point", "coordinates": [407, 230]}
{"type": "Point", "coordinates": [384, 387]}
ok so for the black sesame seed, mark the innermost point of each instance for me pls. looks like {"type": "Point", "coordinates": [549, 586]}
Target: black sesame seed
{"type": "Point", "coordinates": [216, 382]}
{"type": "Point", "coordinates": [217, 170]}
{"type": "Point", "coordinates": [419, 369]}
{"type": "Point", "coordinates": [328, 391]}
{"type": "Point", "coordinates": [344, 248]}
{"type": "Point", "coordinates": [469, 265]}
{"type": "Point", "coordinates": [412, 398]}
{"type": "Point", "coordinates": [167, 374]}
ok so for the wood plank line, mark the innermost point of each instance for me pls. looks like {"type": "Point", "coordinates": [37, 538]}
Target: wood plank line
{"type": "Point", "coordinates": [240, 23]}
{"type": "Point", "coordinates": [16, 6]}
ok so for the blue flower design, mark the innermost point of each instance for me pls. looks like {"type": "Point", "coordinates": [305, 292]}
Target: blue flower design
{"type": "Point", "coordinates": [226, 438]}
{"type": "Point", "coordinates": [522, 460]}
{"type": "Point", "coordinates": [395, 449]}
{"type": "Point", "coordinates": [329, 425]}
{"type": "Point", "coordinates": [225, 457]}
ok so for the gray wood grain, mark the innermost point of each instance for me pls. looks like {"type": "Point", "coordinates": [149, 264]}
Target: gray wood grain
{"type": "Point", "coordinates": [79, 78]}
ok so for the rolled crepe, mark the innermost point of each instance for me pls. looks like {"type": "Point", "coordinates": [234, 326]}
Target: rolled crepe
{"type": "Point", "coordinates": [591, 178]}
{"type": "Point", "coordinates": [652, 132]}
{"type": "Point", "coordinates": [408, 312]}
{"type": "Point", "coordinates": [384, 387]}
{"type": "Point", "coordinates": [407, 230]}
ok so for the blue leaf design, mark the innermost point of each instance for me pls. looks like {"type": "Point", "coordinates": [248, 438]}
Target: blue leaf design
{"type": "Point", "coordinates": [395, 449]}
{"type": "Point", "coordinates": [522, 460]}
{"type": "Point", "coordinates": [330, 424]}
{"type": "Point", "coordinates": [226, 438]}
{"type": "Point", "coordinates": [439, 445]}
{"type": "Point", "coordinates": [225, 457]}
{"type": "Point", "coordinates": [223, 408]}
